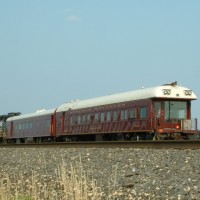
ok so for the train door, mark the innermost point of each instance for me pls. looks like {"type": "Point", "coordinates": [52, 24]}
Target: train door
{"type": "Point", "coordinates": [158, 114]}
{"type": "Point", "coordinates": [63, 123]}
{"type": "Point", "coordinates": [11, 129]}
{"type": "Point", "coordinates": [53, 125]}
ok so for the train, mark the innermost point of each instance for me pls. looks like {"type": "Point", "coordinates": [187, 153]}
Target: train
{"type": "Point", "coordinates": [157, 113]}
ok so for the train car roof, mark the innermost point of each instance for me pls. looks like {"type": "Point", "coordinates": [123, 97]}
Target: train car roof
{"type": "Point", "coordinates": [31, 115]}
{"type": "Point", "coordinates": [167, 91]}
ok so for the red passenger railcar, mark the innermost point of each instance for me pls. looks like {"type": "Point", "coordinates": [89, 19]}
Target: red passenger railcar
{"type": "Point", "coordinates": [162, 112]}
{"type": "Point", "coordinates": [35, 127]}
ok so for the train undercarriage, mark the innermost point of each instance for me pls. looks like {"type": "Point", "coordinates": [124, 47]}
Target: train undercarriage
{"type": "Point", "coordinates": [104, 137]}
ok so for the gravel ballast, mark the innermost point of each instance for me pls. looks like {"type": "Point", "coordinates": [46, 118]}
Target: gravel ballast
{"type": "Point", "coordinates": [121, 173]}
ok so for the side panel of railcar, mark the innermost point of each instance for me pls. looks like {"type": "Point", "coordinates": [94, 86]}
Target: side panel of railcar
{"type": "Point", "coordinates": [39, 126]}
{"type": "Point", "coordinates": [126, 117]}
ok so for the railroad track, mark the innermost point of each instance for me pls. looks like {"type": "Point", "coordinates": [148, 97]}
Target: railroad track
{"type": "Point", "coordinates": [167, 144]}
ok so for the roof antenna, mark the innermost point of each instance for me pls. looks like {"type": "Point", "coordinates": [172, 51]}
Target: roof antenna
{"type": "Point", "coordinates": [174, 83]}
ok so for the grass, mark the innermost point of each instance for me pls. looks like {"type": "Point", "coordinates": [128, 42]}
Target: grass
{"type": "Point", "coordinates": [68, 184]}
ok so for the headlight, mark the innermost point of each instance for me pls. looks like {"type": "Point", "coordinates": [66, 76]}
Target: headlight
{"type": "Point", "coordinates": [166, 91]}
{"type": "Point", "coordinates": [188, 92]}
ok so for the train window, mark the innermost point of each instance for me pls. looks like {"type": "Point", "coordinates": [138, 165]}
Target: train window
{"type": "Point", "coordinates": [126, 114]}
{"type": "Point", "coordinates": [23, 126]}
{"type": "Point", "coordinates": [30, 125]}
{"type": "Point", "coordinates": [143, 113]}
{"type": "Point", "coordinates": [79, 119]}
{"type": "Point", "coordinates": [158, 109]}
{"type": "Point", "coordinates": [75, 120]}
{"type": "Point", "coordinates": [133, 113]}
{"type": "Point", "coordinates": [122, 114]}
{"type": "Point", "coordinates": [48, 123]}
{"type": "Point", "coordinates": [96, 117]}
{"type": "Point", "coordinates": [108, 116]}
{"type": "Point", "coordinates": [175, 110]}
{"type": "Point", "coordinates": [20, 126]}
{"type": "Point", "coordinates": [27, 125]}
{"type": "Point", "coordinates": [115, 115]}
{"type": "Point", "coordinates": [102, 117]}
{"type": "Point", "coordinates": [84, 119]}
{"type": "Point", "coordinates": [71, 120]}
{"type": "Point", "coordinates": [88, 119]}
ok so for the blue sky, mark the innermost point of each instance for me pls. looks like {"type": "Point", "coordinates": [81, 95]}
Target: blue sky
{"type": "Point", "coordinates": [52, 52]}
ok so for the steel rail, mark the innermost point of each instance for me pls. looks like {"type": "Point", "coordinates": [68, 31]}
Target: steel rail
{"type": "Point", "coordinates": [164, 144]}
